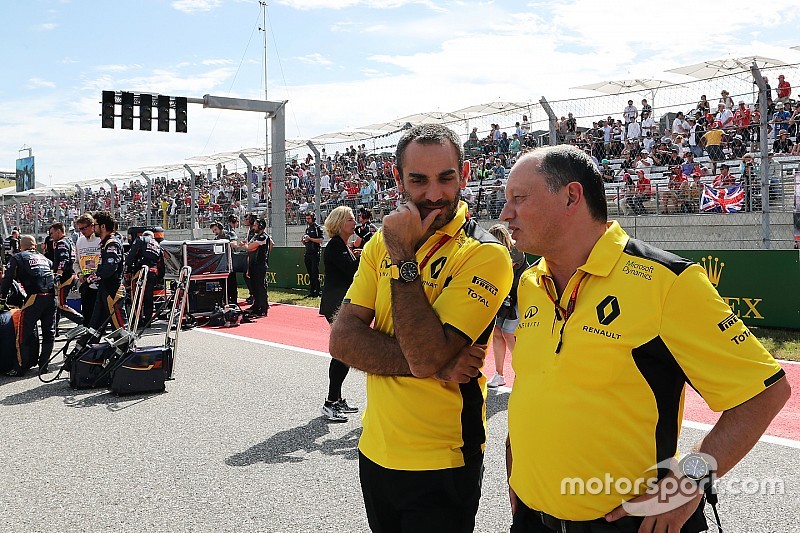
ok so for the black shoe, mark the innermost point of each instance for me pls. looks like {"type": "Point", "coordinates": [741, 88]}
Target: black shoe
{"type": "Point", "coordinates": [249, 300]}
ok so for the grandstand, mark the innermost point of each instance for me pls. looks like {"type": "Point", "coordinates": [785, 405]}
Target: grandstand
{"type": "Point", "coordinates": [356, 168]}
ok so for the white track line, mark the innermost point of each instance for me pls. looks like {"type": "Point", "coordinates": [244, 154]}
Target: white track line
{"type": "Point", "coordinates": [780, 441]}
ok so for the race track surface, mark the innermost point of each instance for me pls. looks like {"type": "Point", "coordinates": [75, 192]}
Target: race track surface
{"type": "Point", "coordinates": [237, 444]}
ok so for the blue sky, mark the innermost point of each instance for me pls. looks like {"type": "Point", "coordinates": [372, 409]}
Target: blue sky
{"type": "Point", "coordinates": [340, 63]}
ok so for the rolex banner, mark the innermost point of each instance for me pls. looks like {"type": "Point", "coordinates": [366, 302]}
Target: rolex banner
{"type": "Point", "coordinates": [762, 287]}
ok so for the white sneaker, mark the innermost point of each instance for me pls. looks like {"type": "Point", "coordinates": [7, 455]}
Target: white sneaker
{"type": "Point", "coordinates": [497, 381]}
{"type": "Point", "coordinates": [333, 414]}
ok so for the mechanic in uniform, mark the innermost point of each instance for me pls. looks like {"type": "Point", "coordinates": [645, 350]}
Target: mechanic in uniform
{"type": "Point", "coordinates": [10, 245]}
{"type": "Point", "coordinates": [63, 268]}
{"type": "Point", "coordinates": [433, 281]}
{"type": "Point", "coordinates": [365, 229]}
{"type": "Point", "coordinates": [110, 270]}
{"type": "Point", "coordinates": [312, 240]}
{"type": "Point", "coordinates": [258, 249]}
{"type": "Point", "coordinates": [34, 271]}
{"type": "Point", "coordinates": [611, 332]}
{"type": "Point", "coordinates": [145, 251]}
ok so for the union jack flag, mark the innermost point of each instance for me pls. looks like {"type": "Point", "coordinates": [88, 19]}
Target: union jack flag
{"type": "Point", "coordinates": [722, 200]}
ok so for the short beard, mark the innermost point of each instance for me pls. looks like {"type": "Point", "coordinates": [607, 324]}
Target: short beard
{"type": "Point", "coordinates": [448, 216]}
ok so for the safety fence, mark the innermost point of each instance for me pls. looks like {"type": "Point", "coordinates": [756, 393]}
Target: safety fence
{"type": "Point", "coordinates": [489, 130]}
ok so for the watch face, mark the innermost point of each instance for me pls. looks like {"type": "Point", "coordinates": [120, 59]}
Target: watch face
{"type": "Point", "coordinates": [695, 467]}
{"type": "Point", "coordinates": [409, 271]}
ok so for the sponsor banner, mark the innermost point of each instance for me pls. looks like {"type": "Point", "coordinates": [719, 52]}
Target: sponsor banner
{"type": "Point", "coordinates": [762, 287]}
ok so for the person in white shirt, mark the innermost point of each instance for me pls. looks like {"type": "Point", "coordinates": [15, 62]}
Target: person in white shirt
{"type": "Point", "coordinates": [679, 125]}
{"type": "Point", "coordinates": [634, 132]}
{"type": "Point", "coordinates": [87, 257]}
{"type": "Point", "coordinates": [724, 116]}
{"type": "Point", "coordinates": [647, 123]}
{"type": "Point", "coordinates": [630, 113]}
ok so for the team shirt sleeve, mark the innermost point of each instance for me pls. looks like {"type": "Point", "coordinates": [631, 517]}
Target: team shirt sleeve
{"type": "Point", "coordinates": [476, 291]}
{"type": "Point", "coordinates": [720, 356]}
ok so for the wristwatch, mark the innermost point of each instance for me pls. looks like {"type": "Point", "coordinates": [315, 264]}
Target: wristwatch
{"type": "Point", "coordinates": [696, 468]}
{"type": "Point", "coordinates": [405, 271]}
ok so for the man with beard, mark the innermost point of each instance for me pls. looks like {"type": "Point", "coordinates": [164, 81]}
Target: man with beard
{"type": "Point", "coordinates": [110, 269]}
{"type": "Point", "coordinates": [432, 280]}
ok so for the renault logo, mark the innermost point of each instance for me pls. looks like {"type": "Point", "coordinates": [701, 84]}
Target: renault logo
{"type": "Point", "coordinates": [608, 310]}
{"type": "Point", "coordinates": [436, 267]}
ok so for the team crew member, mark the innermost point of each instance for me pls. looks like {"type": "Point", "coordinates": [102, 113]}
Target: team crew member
{"type": "Point", "coordinates": [312, 239]}
{"type": "Point", "coordinates": [258, 249]}
{"type": "Point", "coordinates": [87, 257]}
{"type": "Point", "coordinates": [432, 281]}
{"type": "Point", "coordinates": [145, 251]}
{"type": "Point", "coordinates": [611, 331]}
{"type": "Point", "coordinates": [63, 266]}
{"type": "Point", "coordinates": [34, 271]}
{"type": "Point", "coordinates": [250, 221]}
{"type": "Point", "coordinates": [365, 229]}
{"type": "Point", "coordinates": [11, 245]}
{"type": "Point", "coordinates": [341, 264]}
{"type": "Point", "coordinates": [110, 270]}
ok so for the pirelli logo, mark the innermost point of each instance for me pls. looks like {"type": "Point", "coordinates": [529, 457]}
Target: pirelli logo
{"type": "Point", "coordinates": [728, 322]}
{"type": "Point", "coordinates": [480, 282]}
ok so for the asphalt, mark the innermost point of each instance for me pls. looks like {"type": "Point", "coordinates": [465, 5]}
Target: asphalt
{"type": "Point", "coordinates": [237, 443]}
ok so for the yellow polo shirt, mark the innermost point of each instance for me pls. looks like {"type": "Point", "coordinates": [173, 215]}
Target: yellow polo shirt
{"type": "Point", "coordinates": [608, 406]}
{"type": "Point", "coordinates": [425, 424]}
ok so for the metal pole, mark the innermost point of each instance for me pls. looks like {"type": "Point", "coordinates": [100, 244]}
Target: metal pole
{"type": "Point", "coordinates": [81, 205]}
{"type": "Point", "coordinates": [147, 217]}
{"type": "Point", "coordinates": [249, 181]}
{"type": "Point", "coordinates": [279, 175]}
{"type": "Point", "coordinates": [552, 120]}
{"type": "Point", "coordinates": [266, 98]}
{"type": "Point", "coordinates": [111, 185]}
{"type": "Point", "coordinates": [192, 204]}
{"type": "Point", "coordinates": [316, 180]}
{"type": "Point", "coordinates": [764, 147]}
{"type": "Point", "coordinates": [19, 209]}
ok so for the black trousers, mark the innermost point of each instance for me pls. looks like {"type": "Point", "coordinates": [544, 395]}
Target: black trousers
{"type": "Point", "coordinates": [258, 288]}
{"type": "Point", "coordinates": [39, 308]}
{"type": "Point", "coordinates": [88, 299]}
{"type": "Point", "coordinates": [108, 305]}
{"type": "Point", "coordinates": [527, 520]}
{"type": "Point", "coordinates": [312, 267]}
{"type": "Point", "coordinates": [435, 501]}
{"type": "Point", "coordinates": [337, 371]}
{"type": "Point", "coordinates": [233, 289]}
